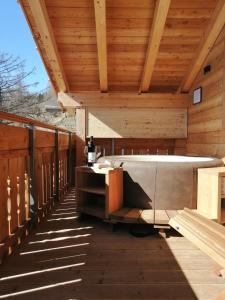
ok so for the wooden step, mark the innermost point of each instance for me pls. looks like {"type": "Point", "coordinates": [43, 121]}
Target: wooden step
{"type": "Point", "coordinates": [204, 233]}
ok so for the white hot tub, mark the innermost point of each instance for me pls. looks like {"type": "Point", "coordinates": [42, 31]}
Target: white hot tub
{"type": "Point", "coordinates": [160, 181]}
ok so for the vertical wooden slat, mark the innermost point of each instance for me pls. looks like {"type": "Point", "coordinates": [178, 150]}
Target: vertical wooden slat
{"type": "Point", "coordinates": [12, 179]}
{"type": "Point", "coordinates": [22, 172]}
{"type": "Point", "coordinates": [3, 199]}
{"type": "Point", "coordinates": [26, 197]}
{"type": "Point", "coordinates": [69, 161]}
{"type": "Point", "coordinates": [33, 190]}
{"type": "Point", "coordinates": [57, 187]}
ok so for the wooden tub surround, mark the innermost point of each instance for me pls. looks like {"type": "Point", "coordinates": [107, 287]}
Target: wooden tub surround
{"type": "Point", "coordinates": [140, 191]}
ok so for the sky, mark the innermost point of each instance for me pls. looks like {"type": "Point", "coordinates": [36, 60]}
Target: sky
{"type": "Point", "coordinates": [16, 39]}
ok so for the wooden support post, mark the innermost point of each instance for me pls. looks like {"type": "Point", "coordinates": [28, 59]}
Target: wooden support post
{"type": "Point", "coordinates": [57, 192]}
{"type": "Point", "coordinates": [70, 161]}
{"type": "Point", "coordinates": [113, 146]}
{"type": "Point", "coordinates": [33, 192]}
{"type": "Point", "coordinates": [80, 136]}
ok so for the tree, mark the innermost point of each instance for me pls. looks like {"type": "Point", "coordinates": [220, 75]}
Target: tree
{"type": "Point", "coordinates": [15, 94]}
{"type": "Point", "coordinates": [18, 98]}
{"type": "Point", "coordinates": [12, 77]}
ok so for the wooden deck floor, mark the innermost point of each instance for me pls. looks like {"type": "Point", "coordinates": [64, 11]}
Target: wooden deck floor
{"type": "Point", "coordinates": [70, 259]}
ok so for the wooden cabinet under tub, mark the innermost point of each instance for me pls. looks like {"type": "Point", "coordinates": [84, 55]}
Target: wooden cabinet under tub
{"type": "Point", "coordinates": [99, 192]}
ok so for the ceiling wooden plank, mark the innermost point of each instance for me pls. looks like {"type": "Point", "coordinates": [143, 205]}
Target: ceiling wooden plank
{"type": "Point", "coordinates": [40, 15]}
{"type": "Point", "coordinates": [100, 23]}
{"type": "Point", "coordinates": [159, 20]}
{"type": "Point", "coordinates": [212, 31]}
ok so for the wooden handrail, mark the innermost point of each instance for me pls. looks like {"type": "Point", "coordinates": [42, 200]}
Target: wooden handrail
{"type": "Point", "coordinates": [19, 119]}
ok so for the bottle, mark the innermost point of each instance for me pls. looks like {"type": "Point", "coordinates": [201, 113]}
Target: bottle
{"type": "Point", "coordinates": [91, 152]}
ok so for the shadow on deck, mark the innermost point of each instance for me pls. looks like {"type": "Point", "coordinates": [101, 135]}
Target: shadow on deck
{"type": "Point", "coordinates": [70, 259]}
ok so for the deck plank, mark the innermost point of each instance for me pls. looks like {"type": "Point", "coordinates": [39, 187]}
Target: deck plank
{"type": "Point", "coordinates": [70, 259]}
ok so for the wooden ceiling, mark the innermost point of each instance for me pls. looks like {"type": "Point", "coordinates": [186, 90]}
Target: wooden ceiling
{"type": "Point", "coordinates": [124, 45]}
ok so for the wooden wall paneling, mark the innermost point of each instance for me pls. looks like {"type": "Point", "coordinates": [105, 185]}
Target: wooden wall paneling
{"type": "Point", "coordinates": [212, 31]}
{"type": "Point", "coordinates": [211, 125]}
{"type": "Point", "coordinates": [180, 147]}
{"type": "Point", "coordinates": [206, 120]}
{"type": "Point", "coordinates": [197, 149]}
{"type": "Point", "coordinates": [80, 136]}
{"type": "Point", "coordinates": [116, 99]}
{"type": "Point", "coordinates": [209, 114]}
{"type": "Point", "coordinates": [208, 103]}
{"type": "Point", "coordinates": [139, 123]}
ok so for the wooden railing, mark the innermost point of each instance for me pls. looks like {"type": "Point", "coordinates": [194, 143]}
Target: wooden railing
{"type": "Point", "coordinates": [134, 146]}
{"type": "Point", "coordinates": [36, 170]}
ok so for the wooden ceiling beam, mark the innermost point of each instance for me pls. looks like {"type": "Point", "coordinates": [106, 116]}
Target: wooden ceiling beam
{"type": "Point", "coordinates": [158, 24]}
{"type": "Point", "coordinates": [100, 23]}
{"type": "Point", "coordinates": [212, 31]}
{"type": "Point", "coordinates": [41, 18]}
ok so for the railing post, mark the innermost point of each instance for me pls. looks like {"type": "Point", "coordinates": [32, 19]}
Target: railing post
{"type": "Point", "coordinates": [57, 193]}
{"type": "Point", "coordinates": [113, 146]}
{"type": "Point", "coordinates": [70, 169]}
{"type": "Point", "coordinates": [33, 190]}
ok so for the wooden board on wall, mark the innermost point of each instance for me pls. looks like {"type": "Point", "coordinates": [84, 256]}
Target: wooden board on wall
{"type": "Point", "coordinates": [137, 123]}
{"type": "Point", "coordinates": [206, 120]}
